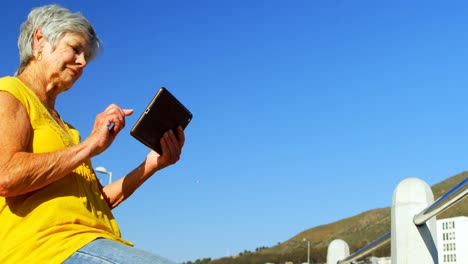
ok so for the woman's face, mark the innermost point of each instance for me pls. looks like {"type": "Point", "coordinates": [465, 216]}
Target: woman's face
{"type": "Point", "coordinates": [65, 64]}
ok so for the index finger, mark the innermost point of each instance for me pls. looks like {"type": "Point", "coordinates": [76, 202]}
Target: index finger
{"type": "Point", "coordinates": [127, 112]}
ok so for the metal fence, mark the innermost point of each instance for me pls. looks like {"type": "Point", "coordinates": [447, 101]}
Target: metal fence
{"type": "Point", "coordinates": [413, 229]}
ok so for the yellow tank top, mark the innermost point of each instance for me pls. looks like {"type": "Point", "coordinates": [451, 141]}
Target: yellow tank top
{"type": "Point", "coordinates": [50, 224]}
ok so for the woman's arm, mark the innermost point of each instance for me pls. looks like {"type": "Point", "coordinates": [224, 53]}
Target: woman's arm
{"type": "Point", "coordinates": [22, 171]}
{"type": "Point", "coordinates": [118, 191]}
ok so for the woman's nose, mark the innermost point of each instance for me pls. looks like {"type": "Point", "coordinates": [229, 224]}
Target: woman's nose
{"type": "Point", "coordinates": [81, 60]}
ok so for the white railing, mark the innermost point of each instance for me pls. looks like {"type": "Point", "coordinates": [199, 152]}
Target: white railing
{"type": "Point", "coordinates": [413, 231]}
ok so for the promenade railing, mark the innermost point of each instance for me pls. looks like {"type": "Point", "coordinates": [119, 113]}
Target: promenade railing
{"type": "Point", "coordinates": [413, 225]}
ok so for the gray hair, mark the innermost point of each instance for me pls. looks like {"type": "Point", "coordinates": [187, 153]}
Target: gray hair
{"type": "Point", "coordinates": [54, 21]}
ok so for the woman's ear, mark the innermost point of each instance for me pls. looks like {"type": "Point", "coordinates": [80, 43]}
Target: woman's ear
{"type": "Point", "coordinates": [38, 41]}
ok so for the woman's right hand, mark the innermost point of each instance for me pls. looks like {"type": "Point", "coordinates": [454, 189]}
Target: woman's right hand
{"type": "Point", "coordinates": [106, 127]}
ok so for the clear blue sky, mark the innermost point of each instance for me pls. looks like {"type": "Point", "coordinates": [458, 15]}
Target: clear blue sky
{"type": "Point", "coordinates": [305, 112]}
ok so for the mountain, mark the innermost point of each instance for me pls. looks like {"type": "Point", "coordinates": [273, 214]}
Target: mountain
{"type": "Point", "coordinates": [357, 231]}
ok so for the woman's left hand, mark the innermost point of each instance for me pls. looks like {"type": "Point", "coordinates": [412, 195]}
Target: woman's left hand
{"type": "Point", "coordinates": [171, 150]}
{"type": "Point", "coordinates": [121, 189]}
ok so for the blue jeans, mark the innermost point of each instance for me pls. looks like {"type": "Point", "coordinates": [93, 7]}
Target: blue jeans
{"type": "Point", "coordinates": [105, 251]}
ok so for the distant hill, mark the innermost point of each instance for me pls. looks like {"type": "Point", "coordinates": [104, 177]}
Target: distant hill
{"type": "Point", "coordinates": [357, 231]}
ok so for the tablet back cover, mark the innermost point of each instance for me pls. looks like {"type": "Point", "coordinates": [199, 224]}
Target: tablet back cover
{"type": "Point", "coordinates": [163, 113]}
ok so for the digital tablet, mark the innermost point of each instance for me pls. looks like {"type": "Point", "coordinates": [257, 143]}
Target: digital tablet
{"type": "Point", "coordinates": [163, 113]}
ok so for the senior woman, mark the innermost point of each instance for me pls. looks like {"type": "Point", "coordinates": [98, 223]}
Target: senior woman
{"type": "Point", "coordinates": [52, 208]}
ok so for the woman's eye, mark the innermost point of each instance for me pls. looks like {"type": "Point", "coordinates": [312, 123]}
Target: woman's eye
{"type": "Point", "coordinates": [75, 49]}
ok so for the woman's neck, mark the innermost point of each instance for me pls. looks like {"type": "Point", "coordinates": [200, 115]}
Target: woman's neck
{"type": "Point", "coordinates": [40, 87]}
{"type": "Point", "coordinates": [43, 91]}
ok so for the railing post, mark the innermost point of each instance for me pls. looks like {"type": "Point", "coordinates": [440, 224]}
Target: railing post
{"type": "Point", "coordinates": [412, 244]}
{"type": "Point", "coordinates": [337, 250]}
